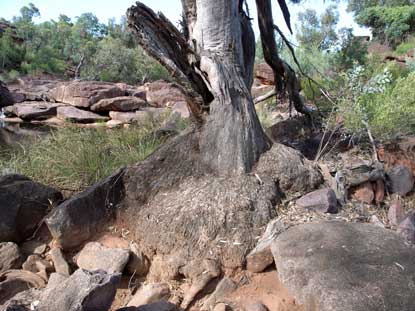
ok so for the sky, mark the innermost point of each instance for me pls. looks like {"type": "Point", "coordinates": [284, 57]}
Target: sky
{"type": "Point", "coordinates": [106, 9]}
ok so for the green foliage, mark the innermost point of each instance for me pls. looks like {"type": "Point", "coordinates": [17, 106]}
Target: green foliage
{"type": "Point", "coordinates": [406, 46]}
{"type": "Point", "coordinates": [74, 158]}
{"type": "Point", "coordinates": [351, 50]}
{"type": "Point", "coordinates": [390, 24]}
{"type": "Point", "coordinates": [11, 54]}
{"type": "Point", "coordinates": [315, 31]}
{"type": "Point", "coordinates": [357, 6]}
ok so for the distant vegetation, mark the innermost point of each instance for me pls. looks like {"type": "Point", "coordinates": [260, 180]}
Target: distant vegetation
{"type": "Point", "coordinates": [82, 47]}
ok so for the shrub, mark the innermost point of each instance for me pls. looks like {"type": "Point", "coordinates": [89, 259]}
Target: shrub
{"type": "Point", "coordinates": [74, 158]}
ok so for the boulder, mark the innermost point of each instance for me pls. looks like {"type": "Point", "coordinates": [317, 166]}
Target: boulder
{"type": "Point", "coordinates": [23, 205]}
{"type": "Point", "coordinates": [161, 93]}
{"type": "Point", "coordinates": [323, 201]}
{"type": "Point", "coordinates": [401, 180]}
{"type": "Point", "coordinates": [73, 114]}
{"type": "Point", "coordinates": [6, 98]}
{"type": "Point", "coordinates": [123, 103]}
{"type": "Point", "coordinates": [82, 291]}
{"type": "Point", "coordinates": [225, 287]}
{"type": "Point", "coordinates": [84, 93]}
{"type": "Point", "coordinates": [35, 110]}
{"type": "Point", "coordinates": [261, 257]}
{"type": "Point", "coordinates": [59, 262]}
{"type": "Point", "coordinates": [150, 293]}
{"type": "Point", "coordinates": [406, 228]}
{"type": "Point", "coordinates": [346, 266]}
{"type": "Point", "coordinates": [80, 217]}
{"type": "Point", "coordinates": [95, 256]}
{"type": "Point", "coordinates": [10, 256]}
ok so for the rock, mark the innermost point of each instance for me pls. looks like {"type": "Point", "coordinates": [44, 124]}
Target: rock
{"type": "Point", "coordinates": [261, 257]}
{"type": "Point", "coordinates": [80, 217]}
{"type": "Point", "coordinates": [95, 256]}
{"type": "Point", "coordinates": [401, 180]}
{"type": "Point", "coordinates": [182, 109]}
{"type": "Point", "coordinates": [123, 103]}
{"type": "Point", "coordinates": [33, 247]}
{"type": "Point", "coordinates": [224, 288]}
{"type": "Point", "coordinates": [35, 110]}
{"type": "Point", "coordinates": [162, 94]}
{"type": "Point", "coordinates": [23, 300]}
{"type": "Point", "coordinates": [257, 306]}
{"type": "Point", "coordinates": [82, 291]}
{"type": "Point", "coordinates": [38, 265]}
{"type": "Point", "coordinates": [221, 307]}
{"type": "Point", "coordinates": [6, 98]}
{"type": "Point", "coordinates": [323, 201]}
{"type": "Point", "coordinates": [138, 263]}
{"type": "Point", "coordinates": [376, 221]}
{"type": "Point", "coordinates": [23, 205]}
{"type": "Point", "coordinates": [59, 262]}
{"type": "Point", "coordinates": [379, 191]}
{"type": "Point", "coordinates": [123, 117]}
{"type": "Point", "coordinates": [396, 213]}
{"type": "Point", "coordinates": [73, 114]}
{"type": "Point", "coordinates": [10, 256]}
{"type": "Point", "coordinates": [200, 272]}
{"type": "Point", "coordinates": [264, 73]}
{"type": "Point", "coordinates": [406, 228]}
{"type": "Point", "coordinates": [145, 115]}
{"type": "Point", "coordinates": [150, 293]}
{"type": "Point", "coordinates": [337, 266]}
{"type": "Point", "coordinates": [84, 93]}
{"type": "Point", "coordinates": [55, 279]}
{"type": "Point", "coordinates": [158, 306]}
{"type": "Point", "coordinates": [364, 193]}
{"type": "Point", "coordinates": [114, 123]}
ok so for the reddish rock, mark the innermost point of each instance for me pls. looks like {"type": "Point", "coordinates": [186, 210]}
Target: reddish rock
{"type": "Point", "coordinates": [396, 213]}
{"type": "Point", "coordinates": [323, 200]}
{"type": "Point", "coordinates": [123, 103]}
{"type": "Point", "coordinates": [406, 228]}
{"type": "Point", "coordinates": [182, 109]}
{"type": "Point", "coordinates": [73, 114]}
{"type": "Point", "coordinates": [84, 93]}
{"type": "Point", "coordinates": [264, 73]}
{"type": "Point", "coordinates": [364, 193]}
{"type": "Point", "coordinates": [162, 94]}
{"type": "Point", "coordinates": [379, 191]}
{"type": "Point", "coordinates": [35, 110]}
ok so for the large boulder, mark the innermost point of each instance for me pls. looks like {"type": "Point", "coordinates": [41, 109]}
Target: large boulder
{"type": "Point", "coordinates": [34, 110]}
{"type": "Point", "coordinates": [84, 93]}
{"type": "Point", "coordinates": [322, 200]}
{"type": "Point", "coordinates": [123, 103]}
{"type": "Point", "coordinates": [80, 217]}
{"type": "Point", "coordinates": [401, 180]}
{"type": "Point", "coordinates": [332, 266]}
{"type": "Point", "coordinates": [73, 114]}
{"type": "Point", "coordinates": [6, 98]}
{"type": "Point", "coordinates": [82, 291]}
{"type": "Point", "coordinates": [10, 256]}
{"type": "Point", "coordinates": [163, 94]}
{"type": "Point", "coordinates": [23, 205]}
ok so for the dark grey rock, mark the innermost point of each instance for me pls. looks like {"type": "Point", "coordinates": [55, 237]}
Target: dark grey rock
{"type": "Point", "coordinates": [346, 266]}
{"type": "Point", "coordinates": [10, 256]}
{"type": "Point", "coordinates": [6, 99]}
{"type": "Point", "coordinates": [80, 217]}
{"type": "Point", "coordinates": [82, 291]}
{"type": "Point", "coordinates": [401, 180]}
{"type": "Point", "coordinates": [23, 205]}
{"type": "Point", "coordinates": [323, 201]}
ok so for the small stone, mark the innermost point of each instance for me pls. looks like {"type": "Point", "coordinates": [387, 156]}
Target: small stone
{"type": "Point", "coordinates": [323, 201]}
{"type": "Point", "coordinates": [221, 307]}
{"type": "Point", "coordinates": [257, 306]}
{"type": "Point", "coordinates": [150, 293]}
{"type": "Point", "coordinates": [401, 180]}
{"type": "Point", "coordinates": [364, 193]}
{"type": "Point", "coordinates": [406, 228]}
{"type": "Point", "coordinates": [10, 257]}
{"type": "Point", "coordinates": [95, 256]}
{"type": "Point", "coordinates": [224, 288]}
{"type": "Point", "coordinates": [376, 221]}
{"type": "Point", "coordinates": [61, 266]}
{"type": "Point", "coordinates": [396, 213]}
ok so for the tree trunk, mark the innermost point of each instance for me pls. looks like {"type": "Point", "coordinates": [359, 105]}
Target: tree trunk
{"type": "Point", "coordinates": [218, 60]}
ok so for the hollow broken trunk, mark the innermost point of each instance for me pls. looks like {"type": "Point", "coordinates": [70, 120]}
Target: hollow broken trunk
{"type": "Point", "coordinates": [213, 59]}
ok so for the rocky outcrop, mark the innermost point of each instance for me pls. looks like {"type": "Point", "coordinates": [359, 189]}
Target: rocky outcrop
{"type": "Point", "coordinates": [80, 217]}
{"type": "Point", "coordinates": [73, 114]}
{"type": "Point", "coordinates": [10, 256]}
{"type": "Point", "coordinates": [33, 110]}
{"type": "Point", "coordinates": [84, 93]}
{"type": "Point", "coordinates": [23, 205]}
{"type": "Point", "coordinates": [346, 266]}
{"type": "Point", "coordinates": [124, 103]}
{"type": "Point", "coordinates": [6, 98]}
{"type": "Point", "coordinates": [163, 94]}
